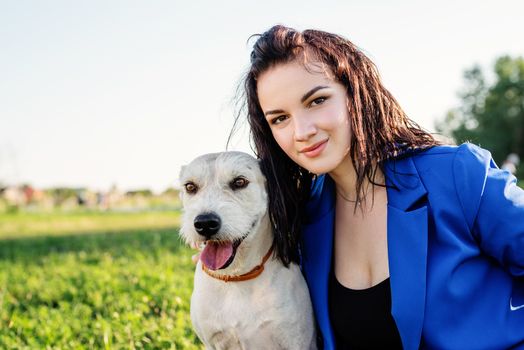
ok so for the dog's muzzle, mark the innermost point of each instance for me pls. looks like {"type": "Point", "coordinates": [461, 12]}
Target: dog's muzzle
{"type": "Point", "coordinates": [207, 224]}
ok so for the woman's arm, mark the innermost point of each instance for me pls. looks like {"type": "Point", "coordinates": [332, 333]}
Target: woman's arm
{"type": "Point", "coordinates": [493, 205]}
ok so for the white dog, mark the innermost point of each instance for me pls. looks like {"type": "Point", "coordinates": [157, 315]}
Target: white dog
{"type": "Point", "coordinates": [243, 296]}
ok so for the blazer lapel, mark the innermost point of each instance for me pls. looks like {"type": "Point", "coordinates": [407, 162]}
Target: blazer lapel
{"type": "Point", "coordinates": [407, 224]}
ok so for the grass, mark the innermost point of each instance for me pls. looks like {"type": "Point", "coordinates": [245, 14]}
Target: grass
{"type": "Point", "coordinates": [25, 224]}
{"type": "Point", "coordinates": [91, 281]}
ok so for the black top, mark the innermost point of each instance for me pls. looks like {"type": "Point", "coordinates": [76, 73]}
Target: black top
{"type": "Point", "coordinates": [361, 319]}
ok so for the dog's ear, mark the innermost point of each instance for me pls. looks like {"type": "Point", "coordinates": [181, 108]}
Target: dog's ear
{"type": "Point", "coordinates": [180, 177]}
{"type": "Point", "coordinates": [259, 163]}
{"type": "Point", "coordinates": [181, 173]}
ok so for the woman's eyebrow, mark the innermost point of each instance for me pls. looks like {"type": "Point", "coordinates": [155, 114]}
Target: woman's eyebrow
{"type": "Point", "coordinates": [275, 111]}
{"type": "Point", "coordinates": [305, 97]}
{"type": "Point", "coordinates": [311, 92]}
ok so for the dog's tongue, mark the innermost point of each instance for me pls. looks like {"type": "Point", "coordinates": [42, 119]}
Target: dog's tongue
{"type": "Point", "coordinates": [215, 255]}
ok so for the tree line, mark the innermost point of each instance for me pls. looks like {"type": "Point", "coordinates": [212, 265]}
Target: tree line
{"type": "Point", "coordinates": [491, 112]}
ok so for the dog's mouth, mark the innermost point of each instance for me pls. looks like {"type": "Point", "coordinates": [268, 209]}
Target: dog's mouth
{"type": "Point", "coordinates": [218, 255]}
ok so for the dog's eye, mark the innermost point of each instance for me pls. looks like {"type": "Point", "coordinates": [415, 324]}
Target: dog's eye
{"type": "Point", "coordinates": [238, 183]}
{"type": "Point", "coordinates": [190, 188]}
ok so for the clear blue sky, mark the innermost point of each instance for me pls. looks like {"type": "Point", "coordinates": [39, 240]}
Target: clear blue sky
{"type": "Point", "coordinates": [95, 93]}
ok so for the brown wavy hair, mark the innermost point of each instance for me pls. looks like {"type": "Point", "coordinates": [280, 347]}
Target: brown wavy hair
{"type": "Point", "coordinates": [380, 128]}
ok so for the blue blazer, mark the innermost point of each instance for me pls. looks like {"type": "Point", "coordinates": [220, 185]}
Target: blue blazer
{"type": "Point", "coordinates": [455, 227]}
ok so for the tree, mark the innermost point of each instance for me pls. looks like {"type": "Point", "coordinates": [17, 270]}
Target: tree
{"type": "Point", "coordinates": [491, 115]}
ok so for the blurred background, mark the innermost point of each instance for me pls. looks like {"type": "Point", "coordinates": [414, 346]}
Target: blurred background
{"type": "Point", "coordinates": [101, 103]}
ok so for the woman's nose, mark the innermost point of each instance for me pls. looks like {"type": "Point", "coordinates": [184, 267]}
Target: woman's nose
{"type": "Point", "coordinates": [304, 129]}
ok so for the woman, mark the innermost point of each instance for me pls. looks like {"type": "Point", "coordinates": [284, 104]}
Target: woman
{"type": "Point", "coordinates": [405, 243]}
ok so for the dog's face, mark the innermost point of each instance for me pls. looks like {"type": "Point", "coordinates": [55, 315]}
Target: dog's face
{"type": "Point", "coordinates": [224, 198]}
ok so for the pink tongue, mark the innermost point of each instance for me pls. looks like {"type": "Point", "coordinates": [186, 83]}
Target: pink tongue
{"type": "Point", "coordinates": [215, 255]}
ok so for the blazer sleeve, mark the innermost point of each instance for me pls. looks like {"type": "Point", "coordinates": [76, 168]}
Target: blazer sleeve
{"type": "Point", "coordinates": [493, 206]}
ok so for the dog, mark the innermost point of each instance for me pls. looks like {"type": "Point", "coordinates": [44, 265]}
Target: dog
{"type": "Point", "coordinates": [243, 296]}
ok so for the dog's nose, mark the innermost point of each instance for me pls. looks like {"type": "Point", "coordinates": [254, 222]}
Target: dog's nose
{"type": "Point", "coordinates": [207, 224]}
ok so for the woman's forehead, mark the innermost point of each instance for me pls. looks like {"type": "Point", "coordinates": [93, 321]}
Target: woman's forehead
{"type": "Point", "coordinates": [291, 80]}
{"type": "Point", "coordinates": [299, 67]}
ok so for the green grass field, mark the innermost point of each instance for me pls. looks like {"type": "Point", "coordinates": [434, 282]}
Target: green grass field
{"type": "Point", "coordinates": [94, 281]}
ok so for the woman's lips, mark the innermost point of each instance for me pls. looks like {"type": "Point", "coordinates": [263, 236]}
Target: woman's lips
{"type": "Point", "coordinates": [314, 150]}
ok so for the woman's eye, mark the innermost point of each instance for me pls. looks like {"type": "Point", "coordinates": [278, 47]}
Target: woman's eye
{"type": "Point", "coordinates": [278, 119]}
{"type": "Point", "coordinates": [318, 101]}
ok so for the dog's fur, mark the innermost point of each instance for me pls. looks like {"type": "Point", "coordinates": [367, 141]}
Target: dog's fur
{"type": "Point", "coordinates": [272, 311]}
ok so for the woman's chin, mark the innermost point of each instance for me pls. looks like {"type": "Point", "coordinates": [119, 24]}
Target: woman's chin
{"type": "Point", "coordinates": [318, 169]}
{"type": "Point", "coordinates": [325, 165]}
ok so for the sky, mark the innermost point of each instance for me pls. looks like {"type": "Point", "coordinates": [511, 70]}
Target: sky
{"type": "Point", "coordinates": [101, 93]}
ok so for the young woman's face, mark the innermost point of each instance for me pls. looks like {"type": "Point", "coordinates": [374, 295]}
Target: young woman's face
{"type": "Point", "coordinates": [307, 112]}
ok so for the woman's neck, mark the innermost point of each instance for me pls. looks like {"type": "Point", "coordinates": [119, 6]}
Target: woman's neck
{"type": "Point", "coordinates": [345, 178]}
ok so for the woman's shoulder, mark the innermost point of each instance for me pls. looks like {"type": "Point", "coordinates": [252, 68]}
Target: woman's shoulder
{"type": "Point", "coordinates": [439, 159]}
{"type": "Point", "coordinates": [467, 154]}
{"type": "Point", "coordinates": [462, 169]}
{"type": "Point", "coordinates": [465, 147]}
{"type": "Point", "coordinates": [465, 163]}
